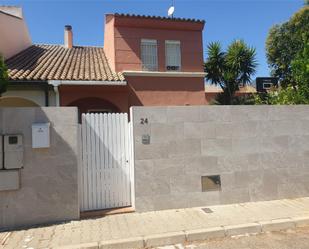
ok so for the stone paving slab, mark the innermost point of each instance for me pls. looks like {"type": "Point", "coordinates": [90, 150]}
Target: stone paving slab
{"type": "Point", "coordinates": [125, 227]}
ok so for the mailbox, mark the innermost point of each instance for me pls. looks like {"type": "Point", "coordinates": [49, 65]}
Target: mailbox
{"type": "Point", "coordinates": [1, 152]}
{"type": "Point", "coordinates": [13, 151]}
{"type": "Point", "coordinates": [40, 135]}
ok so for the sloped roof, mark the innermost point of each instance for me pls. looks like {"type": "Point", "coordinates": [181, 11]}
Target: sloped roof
{"type": "Point", "coordinates": [160, 18]}
{"type": "Point", "coordinates": [247, 89]}
{"type": "Point", "coordinates": [213, 89]}
{"type": "Point", "coordinates": [55, 62]}
{"type": "Point", "coordinates": [218, 89]}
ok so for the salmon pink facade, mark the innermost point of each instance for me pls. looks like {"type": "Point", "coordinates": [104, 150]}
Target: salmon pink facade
{"type": "Point", "coordinates": [122, 46]}
{"type": "Point", "coordinates": [95, 98]}
{"type": "Point", "coordinates": [165, 91]}
{"type": "Point", "coordinates": [123, 35]}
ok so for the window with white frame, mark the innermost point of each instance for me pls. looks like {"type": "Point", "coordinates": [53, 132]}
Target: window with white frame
{"type": "Point", "coordinates": [173, 55]}
{"type": "Point", "coordinates": [149, 55]}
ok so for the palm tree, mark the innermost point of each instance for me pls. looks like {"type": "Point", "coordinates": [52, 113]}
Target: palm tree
{"type": "Point", "coordinates": [230, 69]}
{"type": "Point", "coordinates": [215, 64]}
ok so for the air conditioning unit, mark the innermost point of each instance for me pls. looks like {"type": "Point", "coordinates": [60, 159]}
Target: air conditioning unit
{"type": "Point", "coordinates": [172, 68]}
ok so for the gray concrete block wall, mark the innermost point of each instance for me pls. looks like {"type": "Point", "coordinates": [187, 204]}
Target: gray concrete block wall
{"type": "Point", "coordinates": [260, 152]}
{"type": "Point", "coordinates": [48, 182]}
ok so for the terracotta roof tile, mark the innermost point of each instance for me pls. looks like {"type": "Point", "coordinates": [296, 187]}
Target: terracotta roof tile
{"type": "Point", "coordinates": [160, 17]}
{"type": "Point", "coordinates": [55, 62]}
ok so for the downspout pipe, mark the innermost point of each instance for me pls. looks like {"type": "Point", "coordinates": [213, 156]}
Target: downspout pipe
{"type": "Point", "coordinates": [56, 85]}
{"type": "Point", "coordinates": [46, 91]}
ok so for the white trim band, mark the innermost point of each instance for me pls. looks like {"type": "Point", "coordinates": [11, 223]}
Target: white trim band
{"type": "Point", "coordinates": [165, 74]}
{"type": "Point", "coordinates": [86, 83]}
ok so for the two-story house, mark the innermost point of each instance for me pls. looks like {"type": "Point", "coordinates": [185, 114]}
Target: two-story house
{"type": "Point", "coordinates": [145, 60]}
{"type": "Point", "coordinates": [161, 60]}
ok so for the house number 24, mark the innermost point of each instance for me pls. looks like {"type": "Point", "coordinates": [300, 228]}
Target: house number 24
{"type": "Point", "coordinates": [144, 121]}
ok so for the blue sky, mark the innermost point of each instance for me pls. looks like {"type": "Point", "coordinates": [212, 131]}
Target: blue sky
{"type": "Point", "coordinates": [226, 20]}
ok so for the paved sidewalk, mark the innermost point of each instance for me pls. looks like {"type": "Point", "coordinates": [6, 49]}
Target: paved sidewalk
{"type": "Point", "coordinates": [165, 227]}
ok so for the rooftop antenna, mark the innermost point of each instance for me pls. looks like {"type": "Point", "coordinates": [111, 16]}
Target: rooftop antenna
{"type": "Point", "coordinates": [171, 10]}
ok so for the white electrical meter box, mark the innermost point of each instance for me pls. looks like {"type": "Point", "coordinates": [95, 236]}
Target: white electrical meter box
{"type": "Point", "coordinates": [1, 152]}
{"type": "Point", "coordinates": [13, 151]}
{"type": "Point", "coordinates": [40, 135]}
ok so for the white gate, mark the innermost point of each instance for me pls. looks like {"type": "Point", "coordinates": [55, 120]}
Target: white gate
{"type": "Point", "coordinates": [106, 161]}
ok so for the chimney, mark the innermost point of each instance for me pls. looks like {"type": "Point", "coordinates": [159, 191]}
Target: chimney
{"type": "Point", "coordinates": [68, 36]}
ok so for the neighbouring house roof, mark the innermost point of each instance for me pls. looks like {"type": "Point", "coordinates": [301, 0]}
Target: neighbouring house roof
{"type": "Point", "coordinates": [217, 89]}
{"type": "Point", "coordinates": [247, 89]}
{"type": "Point", "coordinates": [212, 89]}
{"type": "Point", "coordinates": [160, 18]}
{"type": "Point", "coordinates": [55, 62]}
{"type": "Point", "coordinates": [13, 11]}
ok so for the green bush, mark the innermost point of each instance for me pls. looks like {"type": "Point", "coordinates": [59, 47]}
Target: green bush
{"type": "Point", "coordinates": [282, 96]}
{"type": "Point", "coordinates": [3, 76]}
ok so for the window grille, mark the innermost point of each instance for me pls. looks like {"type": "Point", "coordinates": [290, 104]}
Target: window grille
{"type": "Point", "coordinates": [149, 55]}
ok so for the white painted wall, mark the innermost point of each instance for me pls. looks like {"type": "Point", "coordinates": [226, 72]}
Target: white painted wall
{"type": "Point", "coordinates": [36, 96]}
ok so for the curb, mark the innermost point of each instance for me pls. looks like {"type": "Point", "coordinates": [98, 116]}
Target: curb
{"type": "Point", "coordinates": [301, 221]}
{"type": "Point", "coordinates": [195, 235]}
{"type": "Point", "coordinates": [247, 228]}
{"type": "Point", "coordinates": [94, 245]}
{"type": "Point", "coordinates": [164, 239]}
{"type": "Point", "coordinates": [277, 225]}
{"type": "Point", "coordinates": [131, 243]}
{"type": "Point", "coordinates": [204, 234]}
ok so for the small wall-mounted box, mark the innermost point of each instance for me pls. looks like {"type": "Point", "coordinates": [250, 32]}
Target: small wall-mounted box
{"type": "Point", "coordinates": [9, 180]}
{"type": "Point", "coordinates": [13, 151]}
{"type": "Point", "coordinates": [40, 135]}
{"type": "Point", "coordinates": [145, 139]}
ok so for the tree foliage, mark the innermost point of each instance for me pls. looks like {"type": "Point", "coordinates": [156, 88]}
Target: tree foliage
{"type": "Point", "coordinates": [3, 76]}
{"type": "Point", "coordinates": [230, 69]}
{"type": "Point", "coordinates": [297, 94]}
{"type": "Point", "coordinates": [282, 96]}
{"type": "Point", "coordinates": [285, 42]}
{"type": "Point", "coordinates": [300, 70]}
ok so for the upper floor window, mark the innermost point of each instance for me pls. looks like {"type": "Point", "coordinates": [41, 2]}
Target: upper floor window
{"type": "Point", "coordinates": [149, 55]}
{"type": "Point", "coordinates": [173, 55]}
